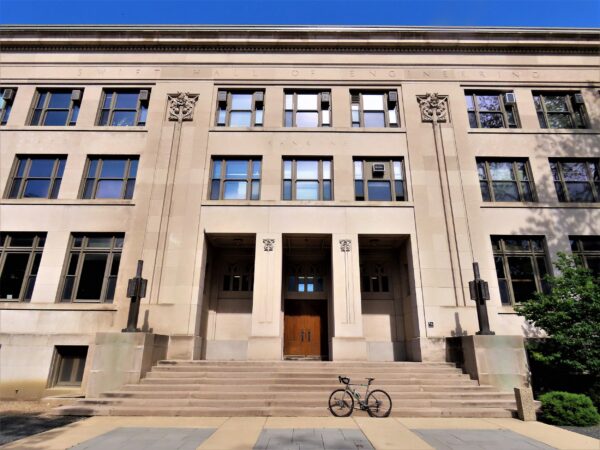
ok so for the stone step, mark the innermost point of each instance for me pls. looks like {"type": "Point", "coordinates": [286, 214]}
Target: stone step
{"type": "Point", "coordinates": [354, 376]}
{"type": "Point", "coordinates": [272, 364]}
{"type": "Point", "coordinates": [304, 369]}
{"type": "Point", "coordinates": [324, 381]}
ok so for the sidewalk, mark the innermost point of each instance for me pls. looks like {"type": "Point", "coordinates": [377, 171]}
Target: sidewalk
{"type": "Point", "coordinates": [299, 433]}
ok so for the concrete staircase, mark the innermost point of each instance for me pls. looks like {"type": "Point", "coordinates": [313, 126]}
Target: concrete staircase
{"type": "Point", "coordinates": [294, 388]}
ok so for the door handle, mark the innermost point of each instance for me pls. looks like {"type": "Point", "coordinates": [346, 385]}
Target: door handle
{"type": "Point", "coordinates": [301, 335]}
{"type": "Point", "coordinates": [308, 336]}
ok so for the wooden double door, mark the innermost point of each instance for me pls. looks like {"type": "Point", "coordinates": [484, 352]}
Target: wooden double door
{"type": "Point", "coordinates": [305, 329]}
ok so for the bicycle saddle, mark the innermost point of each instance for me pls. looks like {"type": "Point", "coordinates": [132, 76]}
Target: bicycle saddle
{"type": "Point", "coordinates": [370, 379]}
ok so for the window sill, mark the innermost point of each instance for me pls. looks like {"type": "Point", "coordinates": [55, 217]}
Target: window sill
{"type": "Point", "coordinates": [301, 203]}
{"type": "Point", "coordinates": [531, 131]}
{"type": "Point", "coordinates": [74, 202]}
{"type": "Point", "coordinates": [541, 205]}
{"type": "Point", "coordinates": [507, 310]}
{"type": "Point", "coordinates": [16, 305]}
{"type": "Point", "coordinates": [75, 128]}
{"type": "Point", "coordinates": [308, 130]}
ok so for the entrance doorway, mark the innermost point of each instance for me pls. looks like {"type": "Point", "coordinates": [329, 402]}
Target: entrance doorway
{"type": "Point", "coordinates": [305, 329]}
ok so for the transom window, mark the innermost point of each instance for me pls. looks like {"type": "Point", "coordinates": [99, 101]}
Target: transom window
{"type": "Point", "coordinates": [235, 179]}
{"type": "Point", "coordinates": [521, 265]}
{"type": "Point", "coordinates": [124, 107]}
{"type": "Point", "coordinates": [505, 180]}
{"type": "Point", "coordinates": [92, 267]}
{"type": "Point", "coordinates": [240, 108]}
{"type": "Point", "coordinates": [491, 109]}
{"type": "Point", "coordinates": [110, 177]}
{"type": "Point", "coordinates": [7, 96]}
{"type": "Point", "coordinates": [56, 107]}
{"type": "Point", "coordinates": [307, 109]}
{"type": "Point", "coordinates": [36, 176]}
{"type": "Point", "coordinates": [306, 279]}
{"type": "Point", "coordinates": [379, 180]}
{"type": "Point", "coordinates": [375, 109]}
{"type": "Point", "coordinates": [576, 180]}
{"type": "Point", "coordinates": [238, 277]}
{"type": "Point", "coordinates": [68, 365]}
{"type": "Point", "coordinates": [20, 256]}
{"type": "Point", "coordinates": [560, 109]}
{"type": "Point", "coordinates": [587, 250]}
{"type": "Point", "coordinates": [307, 179]}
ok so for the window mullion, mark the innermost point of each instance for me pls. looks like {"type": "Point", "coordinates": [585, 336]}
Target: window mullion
{"type": "Point", "coordinates": [489, 180]}
{"type": "Point", "coordinates": [27, 272]}
{"type": "Point", "coordinates": [107, 269]}
{"type": "Point", "coordinates": [476, 110]}
{"type": "Point", "coordinates": [78, 269]}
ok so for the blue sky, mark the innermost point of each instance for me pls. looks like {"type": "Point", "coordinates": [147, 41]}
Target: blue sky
{"type": "Point", "coordinates": [548, 13]}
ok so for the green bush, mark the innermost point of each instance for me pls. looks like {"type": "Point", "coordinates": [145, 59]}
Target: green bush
{"type": "Point", "coordinates": [564, 408]}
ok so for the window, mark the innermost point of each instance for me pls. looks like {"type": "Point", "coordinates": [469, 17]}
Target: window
{"type": "Point", "coordinates": [374, 278]}
{"type": "Point", "coordinates": [68, 364]}
{"type": "Point", "coordinates": [20, 256]}
{"type": "Point", "coordinates": [307, 109]}
{"type": "Point", "coordinates": [379, 180]}
{"type": "Point", "coordinates": [36, 176]}
{"type": "Point", "coordinates": [305, 278]}
{"type": "Point", "coordinates": [57, 107]}
{"type": "Point", "coordinates": [560, 110]}
{"type": "Point", "coordinates": [7, 96]}
{"type": "Point", "coordinates": [307, 179]}
{"type": "Point", "coordinates": [124, 107]}
{"type": "Point", "coordinates": [491, 109]}
{"type": "Point", "coordinates": [587, 250]}
{"type": "Point", "coordinates": [110, 177]}
{"type": "Point", "coordinates": [238, 277]}
{"type": "Point", "coordinates": [240, 108]}
{"type": "Point", "coordinates": [505, 180]}
{"type": "Point", "coordinates": [235, 179]}
{"type": "Point", "coordinates": [520, 267]}
{"type": "Point", "coordinates": [375, 109]}
{"type": "Point", "coordinates": [576, 180]}
{"type": "Point", "coordinates": [92, 267]}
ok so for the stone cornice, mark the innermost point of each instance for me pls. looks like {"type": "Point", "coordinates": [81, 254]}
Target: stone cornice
{"type": "Point", "coordinates": [152, 38]}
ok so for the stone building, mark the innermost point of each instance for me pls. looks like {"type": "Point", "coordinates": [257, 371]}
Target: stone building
{"type": "Point", "coordinates": [293, 192]}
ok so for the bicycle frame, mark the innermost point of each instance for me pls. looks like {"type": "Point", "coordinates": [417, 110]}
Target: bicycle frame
{"type": "Point", "coordinates": [353, 392]}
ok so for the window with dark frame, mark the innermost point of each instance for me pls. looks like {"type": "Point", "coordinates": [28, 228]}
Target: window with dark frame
{"type": "Point", "coordinates": [235, 179]}
{"type": "Point", "coordinates": [305, 279]}
{"type": "Point", "coordinates": [521, 265]}
{"type": "Point", "coordinates": [379, 180]}
{"type": "Point", "coordinates": [576, 180]}
{"type": "Point", "coordinates": [110, 177]}
{"type": "Point", "coordinates": [240, 108]}
{"type": "Point", "coordinates": [373, 109]}
{"type": "Point", "coordinates": [92, 267]}
{"type": "Point", "coordinates": [7, 97]}
{"type": "Point", "coordinates": [374, 278]}
{"type": "Point", "coordinates": [124, 107]}
{"type": "Point", "coordinates": [68, 364]}
{"type": "Point", "coordinates": [307, 179]}
{"type": "Point", "coordinates": [587, 250]}
{"type": "Point", "coordinates": [492, 109]}
{"type": "Point", "coordinates": [20, 256]}
{"type": "Point", "coordinates": [238, 277]}
{"type": "Point", "coordinates": [505, 180]}
{"type": "Point", "coordinates": [36, 176]}
{"type": "Point", "coordinates": [305, 109]}
{"type": "Point", "coordinates": [560, 109]}
{"type": "Point", "coordinates": [56, 107]}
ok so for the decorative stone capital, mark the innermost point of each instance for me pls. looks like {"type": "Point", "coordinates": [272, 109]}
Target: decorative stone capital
{"type": "Point", "coordinates": [181, 106]}
{"type": "Point", "coordinates": [434, 107]}
{"type": "Point", "coordinates": [345, 245]}
{"type": "Point", "coordinates": [268, 244]}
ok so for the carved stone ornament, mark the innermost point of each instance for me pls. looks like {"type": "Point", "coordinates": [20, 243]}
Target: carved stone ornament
{"type": "Point", "coordinates": [345, 245]}
{"type": "Point", "coordinates": [181, 106]}
{"type": "Point", "coordinates": [434, 107]}
{"type": "Point", "coordinates": [269, 244]}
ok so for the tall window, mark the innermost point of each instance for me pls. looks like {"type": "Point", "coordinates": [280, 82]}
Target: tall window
{"type": "Point", "coordinates": [491, 109]}
{"type": "Point", "coordinates": [7, 96]}
{"type": "Point", "coordinates": [124, 107]}
{"type": "Point", "coordinates": [520, 266]}
{"type": "Point", "coordinates": [505, 180]}
{"type": "Point", "coordinates": [576, 180]}
{"type": "Point", "coordinates": [375, 109]}
{"type": "Point", "coordinates": [307, 109]}
{"type": "Point", "coordinates": [560, 109]}
{"type": "Point", "coordinates": [20, 256]}
{"type": "Point", "coordinates": [587, 250]}
{"type": "Point", "coordinates": [379, 180]}
{"type": "Point", "coordinates": [240, 108]}
{"type": "Point", "coordinates": [110, 177]}
{"type": "Point", "coordinates": [238, 277]}
{"type": "Point", "coordinates": [235, 179]}
{"type": "Point", "coordinates": [36, 176]}
{"type": "Point", "coordinates": [92, 267]}
{"type": "Point", "coordinates": [307, 179]}
{"type": "Point", "coordinates": [56, 107]}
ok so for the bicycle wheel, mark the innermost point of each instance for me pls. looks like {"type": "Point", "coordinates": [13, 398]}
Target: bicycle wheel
{"type": "Point", "coordinates": [379, 403]}
{"type": "Point", "coordinates": [341, 403]}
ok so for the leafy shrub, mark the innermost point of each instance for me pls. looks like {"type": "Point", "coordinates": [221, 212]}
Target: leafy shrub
{"type": "Point", "coordinates": [564, 408]}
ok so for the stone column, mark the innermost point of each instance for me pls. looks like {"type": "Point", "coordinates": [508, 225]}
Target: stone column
{"type": "Point", "coordinates": [265, 342]}
{"type": "Point", "coordinates": [348, 342]}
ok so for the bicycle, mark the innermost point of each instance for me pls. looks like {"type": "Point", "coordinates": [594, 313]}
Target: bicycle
{"type": "Point", "coordinates": [377, 402]}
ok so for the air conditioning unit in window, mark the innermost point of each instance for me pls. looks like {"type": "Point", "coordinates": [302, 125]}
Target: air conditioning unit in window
{"type": "Point", "coordinates": [392, 97]}
{"type": "Point", "coordinates": [578, 99]}
{"type": "Point", "coordinates": [76, 95]}
{"type": "Point", "coordinates": [259, 96]}
{"type": "Point", "coordinates": [325, 97]}
{"type": "Point", "coordinates": [510, 98]}
{"type": "Point", "coordinates": [222, 96]}
{"type": "Point", "coordinates": [144, 95]}
{"type": "Point", "coordinates": [378, 169]}
{"type": "Point", "coordinates": [8, 94]}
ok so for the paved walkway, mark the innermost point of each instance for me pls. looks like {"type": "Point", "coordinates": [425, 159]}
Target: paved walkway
{"type": "Point", "coordinates": [304, 433]}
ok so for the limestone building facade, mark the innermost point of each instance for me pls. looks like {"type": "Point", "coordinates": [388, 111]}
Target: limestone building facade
{"type": "Point", "coordinates": [293, 192]}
